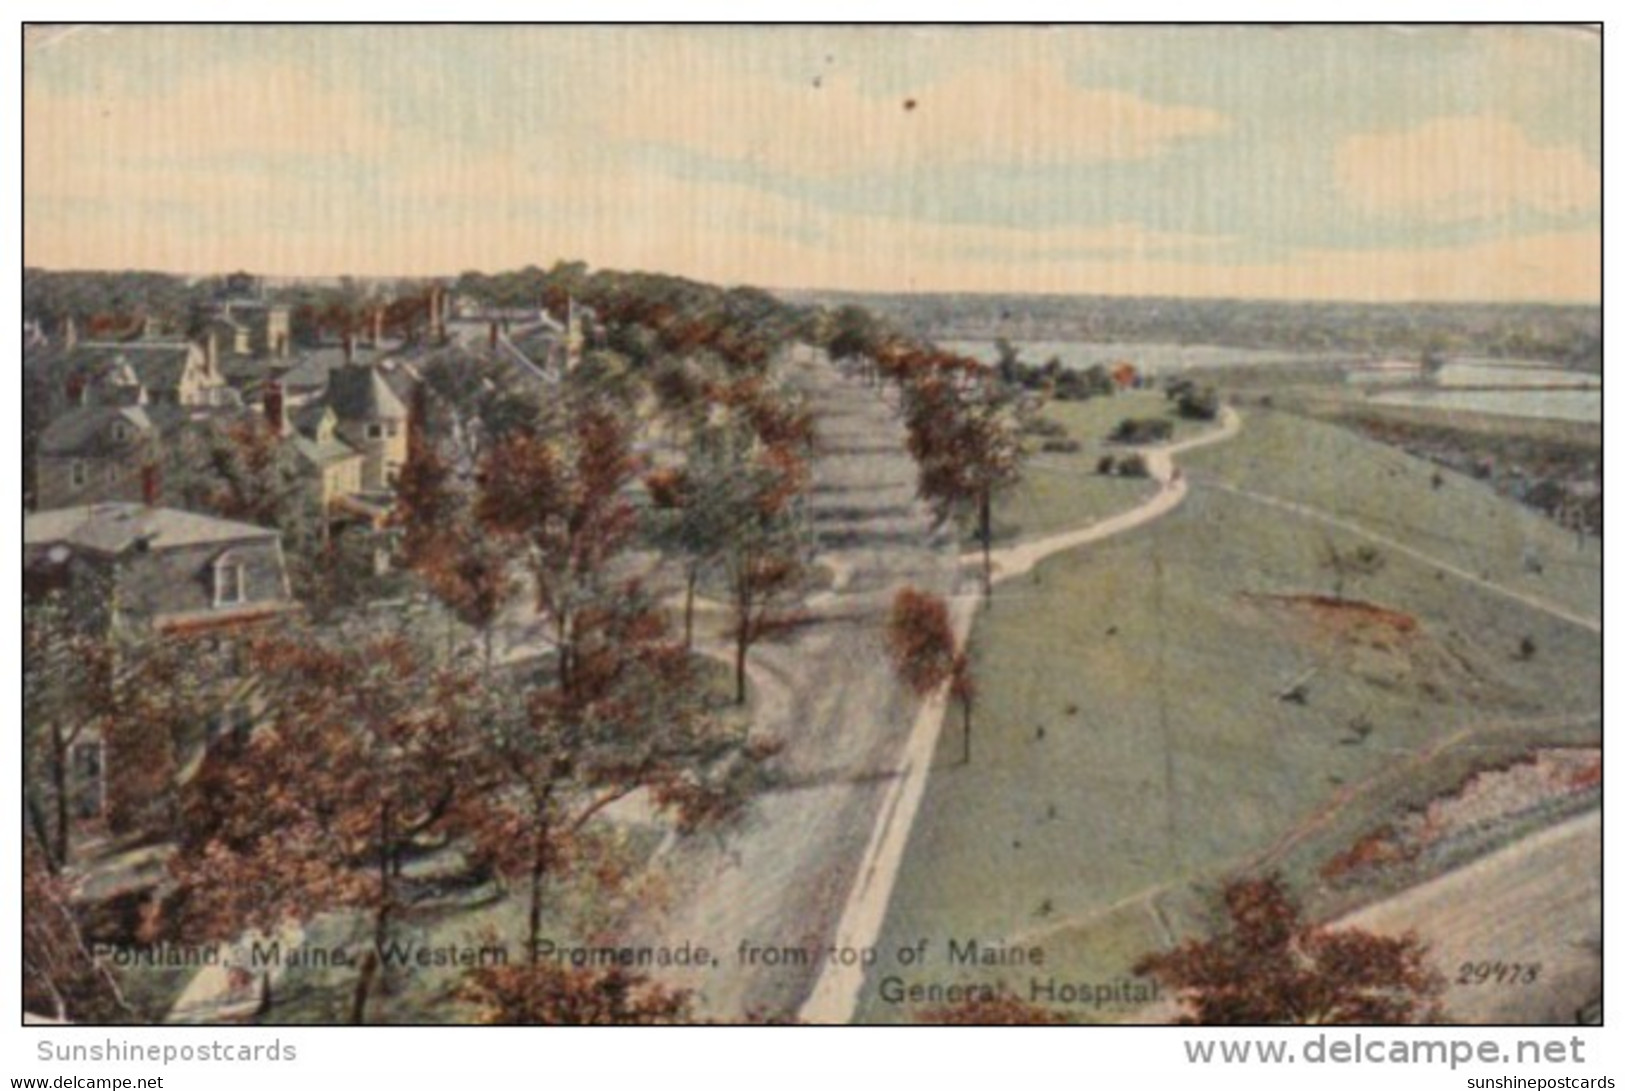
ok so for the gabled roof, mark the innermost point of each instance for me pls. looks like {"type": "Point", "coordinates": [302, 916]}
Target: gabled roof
{"type": "Point", "coordinates": [312, 370]}
{"type": "Point", "coordinates": [113, 528]}
{"type": "Point", "coordinates": [307, 419]}
{"type": "Point", "coordinates": [321, 453]}
{"type": "Point", "coordinates": [88, 430]}
{"type": "Point", "coordinates": [360, 393]}
{"type": "Point", "coordinates": [158, 365]}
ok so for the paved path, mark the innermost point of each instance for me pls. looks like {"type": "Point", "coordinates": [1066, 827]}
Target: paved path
{"type": "Point", "coordinates": [835, 998]}
{"type": "Point", "coordinates": [777, 883]}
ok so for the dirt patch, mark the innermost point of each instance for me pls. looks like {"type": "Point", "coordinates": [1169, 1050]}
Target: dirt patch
{"type": "Point", "coordinates": [1387, 648]}
{"type": "Point", "coordinates": [1343, 617]}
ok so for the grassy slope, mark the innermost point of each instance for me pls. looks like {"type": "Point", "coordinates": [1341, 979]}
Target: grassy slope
{"type": "Point", "coordinates": [1180, 761]}
{"type": "Point", "coordinates": [1059, 491]}
{"type": "Point", "coordinates": [1391, 493]}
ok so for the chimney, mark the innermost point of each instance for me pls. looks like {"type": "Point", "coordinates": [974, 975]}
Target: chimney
{"type": "Point", "coordinates": [70, 332]}
{"type": "Point", "coordinates": [377, 327]}
{"type": "Point", "coordinates": [349, 347]}
{"type": "Point", "coordinates": [150, 484]}
{"type": "Point", "coordinates": [275, 417]}
{"type": "Point", "coordinates": [493, 335]}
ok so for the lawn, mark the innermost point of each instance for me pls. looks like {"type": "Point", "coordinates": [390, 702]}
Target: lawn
{"type": "Point", "coordinates": [1059, 490]}
{"type": "Point", "coordinates": [1132, 745]}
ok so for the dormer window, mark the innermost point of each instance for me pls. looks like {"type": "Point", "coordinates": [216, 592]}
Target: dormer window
{"type": "Point", "coordinates": [121, 431]}
{"type": "Point", "coordinates": [230, 582]}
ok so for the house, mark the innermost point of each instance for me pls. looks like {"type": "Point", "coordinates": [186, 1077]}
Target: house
{"type": "Point", "coordinates": [250, 327]}
{"type": "Point", "coordinates": [100, 453]}
{"type": "Point", "coordinates": [371, 418]}
{"type": "Point", "coordinates": [157, 568]}
{"type": "Point", "coordinates": [332, 466]}
{"type": "Point", "coordinates": [172, 575]}
{"type": "Point", "coordinates": [139, 373]}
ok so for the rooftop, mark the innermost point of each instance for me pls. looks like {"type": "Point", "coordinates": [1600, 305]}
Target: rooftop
{"type": "Point", "coordinates": [114, 528]}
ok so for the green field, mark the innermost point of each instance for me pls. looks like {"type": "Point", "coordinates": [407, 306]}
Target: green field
{"type": "Point", "coordinates": [1132, 745]}
{"type": "Point", "coordinates": [1060, 490]}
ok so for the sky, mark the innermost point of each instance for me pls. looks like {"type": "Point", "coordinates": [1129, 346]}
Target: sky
{"type": "Point", "coordinates": [1360, 163]}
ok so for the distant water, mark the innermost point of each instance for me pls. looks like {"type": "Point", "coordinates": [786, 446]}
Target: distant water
{"type": "Point", "coordinates": [1156, 358]}
{"type": "Point", "coordinates": [1577, 405]}
{"type": "Point", "coordinates": [1150, 358]}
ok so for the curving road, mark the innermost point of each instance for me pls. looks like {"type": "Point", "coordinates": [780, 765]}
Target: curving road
{"type": "Point", "coordinates": [835, 997]}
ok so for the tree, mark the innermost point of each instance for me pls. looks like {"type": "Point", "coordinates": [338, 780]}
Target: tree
{"type": "Point", "coordinates": [357, 762]}
{"type": "Point", "coordinates": [61, 977]}
{"type": "Point", "coordinates": [1009, 365]}
{"type": "Point", "coordinates": [754, 511]}
{"type": "Point", "coordinates": [1270, 966]}
{"type": "Point", "coordinates": [67, 674]}
{"type": "Point", "coordinates": [925, 652]}
{"type": "Point", "coordinates": [1347, 565]}
{"type": "Point", "coordinates": [124, 696]}
{"type": "Point", "coordinates": [563, 503]}
{"type": "Point", "coordinates": [632, 717]}
{"type": "Point", "coordinates": [964, 444]}
{"type": "Point", "coordinates": [689, 520]}
{"type": "Point", "coordinates": [468, 571]}
{"type": "Point", "coordinates": [548, 995]}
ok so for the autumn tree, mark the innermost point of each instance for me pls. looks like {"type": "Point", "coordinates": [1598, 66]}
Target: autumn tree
{"type": "Point", "coordinates": [467, 570]}
{"type": "Point", "coordinates": [356, 762]}
{"type": "Point", "coordinates": [62, 979]}
{"type": "Point", "coordinates": [756, 487]}
{"type": "Point", "coordinates": [926, 654]}
{"type": "Point", "coordinates": [632, 717]}
{"type": "Point", "coordinates": [549, 995]}
{"type": "Point", "coordinates": [562, 504]}
{"type": "Point", "coordinates": [684, 522]}
{"type": "Point", "coordinates": [67, 673]}
{"type": "Point", "coordinates": [105, 708]}
{"type": "Point", "coordinates": [963, 442]}
{"type": "Point", "coordinates": [1270, 966]}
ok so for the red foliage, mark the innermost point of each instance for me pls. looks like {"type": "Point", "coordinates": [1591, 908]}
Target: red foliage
{"type": "Point", "coordinates": [1269, 966]}
{"type": "Point", "coordinates": [549, 995]}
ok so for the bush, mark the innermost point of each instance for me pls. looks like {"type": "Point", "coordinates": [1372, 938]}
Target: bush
{"type": "Point", "coordinates": [1143, 430]}
{"type": "Point", "coordinates": [1043, 426]}
{"type": "Point", "coordinates": [1133, 466]}
{"type": "Point", "coordinates": [1200, 404]}
{"type": "Point", "coordinates": [1062, 446]}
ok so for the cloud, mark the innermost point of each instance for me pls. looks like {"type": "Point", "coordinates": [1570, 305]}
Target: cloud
{"type": "Point", "coordinates": [1465, 168]}
{"type": "Point", "coordinates": [214, 130]}
{"type": "Point", "coordinates": [1015, 116]}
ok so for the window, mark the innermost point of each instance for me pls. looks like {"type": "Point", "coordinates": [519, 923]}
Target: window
{"type": "Point", "coordinates": [80, 475]}
{"type": "Point", "coordinates": [121, 431]}
{"type": "Point", "coordinates": [88, 784]}
{"type": "Point", "coordinates": [375, 431]}
{"type": "Point", "coordinates": [230, 582]}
